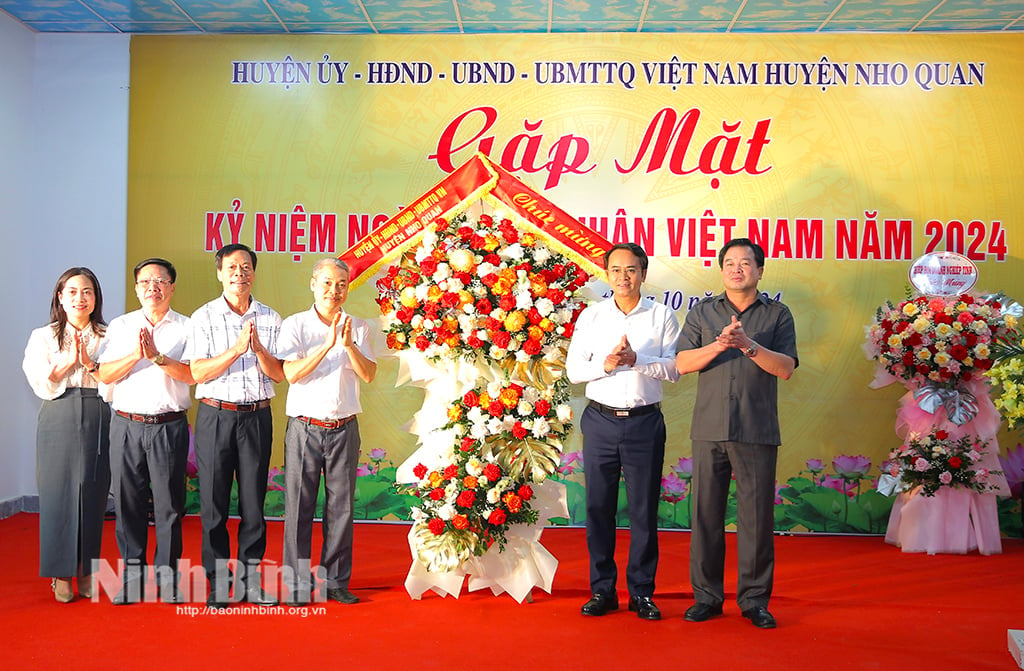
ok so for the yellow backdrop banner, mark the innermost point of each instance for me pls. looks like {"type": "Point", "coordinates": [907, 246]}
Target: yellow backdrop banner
{"type": "Point", "coordinates": [846, 157]}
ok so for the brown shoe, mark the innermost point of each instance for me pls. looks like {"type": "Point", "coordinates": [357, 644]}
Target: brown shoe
{"type": "Point", "coordinates": [62, 591]}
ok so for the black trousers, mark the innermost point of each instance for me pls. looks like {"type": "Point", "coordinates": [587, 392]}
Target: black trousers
{"type": "Point", "coordinates": [635, 448]}
{"type": "Point", "coordinates": [715, 464]}
{"type": "Point", "coordinates": [230, 446]}
{"type": "Point", "coordinates": [148, 458]}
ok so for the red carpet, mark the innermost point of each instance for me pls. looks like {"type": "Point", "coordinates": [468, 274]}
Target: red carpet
{"type": "Point", "coordinates": [841, 602]}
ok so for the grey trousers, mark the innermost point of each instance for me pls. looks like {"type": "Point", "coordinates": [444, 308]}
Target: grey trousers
{"type": "Point", "coordinates": [309, 452]}
{"type": "Point", "coordinates": [714, 465]}
{"type": "Point", "coordinates": [73, 477]}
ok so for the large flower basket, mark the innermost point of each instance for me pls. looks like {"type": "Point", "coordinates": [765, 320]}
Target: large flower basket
{"type": "Point", "coordinates": [939, 348]}
{"type": "Point", "coordinates": [479, 285]}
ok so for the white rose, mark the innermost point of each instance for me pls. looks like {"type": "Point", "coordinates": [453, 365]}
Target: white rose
{"type": "Point", "coordinates": [446, 512]}
{"type": "Point", "coordinates": [564, 412]}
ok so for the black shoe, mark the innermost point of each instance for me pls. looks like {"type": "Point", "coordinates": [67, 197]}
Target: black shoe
{"type": "Point", "coordinates": [172, 595]}
{"type": "Point", "coordinates": [699, 612]}
{"type": "Point", "coordinates": [644, 608]}
{"type": "Point", "coordinates": [600, 604]}
{"type": "Point", "coordinates": [255, 595]}
{"type": "Point", "coordinates": [123, 598]}
{"type": "Point", "coordinates": [213, 603]}
{"type": "Point", "coordinates": [760, 617]}
{"type": "Point", "coordinates": [341, 595]}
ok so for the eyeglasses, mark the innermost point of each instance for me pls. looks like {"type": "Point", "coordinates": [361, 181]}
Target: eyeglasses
{"type": "Point", "coordinates": [158, 282]}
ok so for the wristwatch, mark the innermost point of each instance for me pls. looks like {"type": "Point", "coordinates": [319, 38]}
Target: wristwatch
{"type": "Point", "coordinates": [159, 359]}
{"type": "Point", "coordinates": [752, 350]}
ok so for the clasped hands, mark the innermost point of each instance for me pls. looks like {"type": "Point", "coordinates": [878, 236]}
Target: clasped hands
{"type": "Point", "coordinates": [621, 355]}
{"type": "Point", "coordinates": [734, 336]}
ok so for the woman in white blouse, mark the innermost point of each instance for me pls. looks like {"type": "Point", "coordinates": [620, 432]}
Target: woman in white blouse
{"type": "Point", "coordinates": [72, 458]}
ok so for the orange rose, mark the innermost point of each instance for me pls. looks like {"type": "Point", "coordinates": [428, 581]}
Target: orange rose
{"type": "Point", "coordinates": [460, 521]}
{"type": "Point", "coordinates": [454, 413]}
{"type": "Point", "coordinates": [469, 482]}
{"type": "Point", "coordinates": [491, 242]}
{"type": "Point", "coordinates": [547, 325]}
{"type": "Point", "coordinates": [509, 397]}
{"type": "Point", "coordinates": [536, 333]}
{"type": "Point", "coordinates": [515, 321]}
{"type": "Point", "coordinates": [434, 293]}
{"type": "Point", "coordinates": [538, 287]}
{"type": "Point", "coordinates": [485, 399]}
{"type": "Point", "coordinates": [435, 478]}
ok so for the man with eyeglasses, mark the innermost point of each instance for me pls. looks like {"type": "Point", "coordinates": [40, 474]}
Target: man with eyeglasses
{"type": "Point", "coordinates": [232, 357]}
{"type": "Point", "coordinates": [142, 358]}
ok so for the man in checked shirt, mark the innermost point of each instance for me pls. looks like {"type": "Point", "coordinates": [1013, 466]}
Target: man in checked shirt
{"type": "Point", "coordinates": [231, 354]}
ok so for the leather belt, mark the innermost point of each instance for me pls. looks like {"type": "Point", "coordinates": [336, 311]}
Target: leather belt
{"type": "Point", "coordinates": [329, 424]}
{"type": "Point", "coordinates": [625, 412]}
{"type": "Point", "coordinates": [152, 419]}
{"type": "Point", "coordinates": [237, 407]}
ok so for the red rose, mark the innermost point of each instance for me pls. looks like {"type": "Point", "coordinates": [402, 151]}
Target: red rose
{"type": "Point", "coordinates": [497, 518]}
{"type": "Point", "coordinates": [501, 339]}
{"type": "Point", "coordinates": [525, 492]}
{"type": "Point", "coordinates": [428, 266]}
{"type": "Point", "coordinates": [474, 342]}
{"type": "Point", "coordinates": [436, 494]}
{"type": "Point", "coordinates": [490, 279]}
{"type": "Point", "coordinates": [492, 259]}
{"type": "Point", "coordinates": [533, 314]}
{"type": "Point", "coordinates": [486, 220]}
{"type": "Point", "coordinates": [958, 352]}
{"type": "Point", "coordinates": [495, 408]}
{"type": "Point", "coordinates": [460, 521]}
{"type": "Point", "coordinates": [555, 296]}
{"type": "Point", "coordinates": [436, 526]}
{"type": "Point", "coordinates": [941, 434]}
{"type": "Point", "coordinates": [492, 472]}
{"type": "Point", "coordinates": [507, 302]}
{"type": "Point", "coordinates": [569, 328]}
{"type": "Point", "coordinates": [450, 300]}
{"type": "Point", "coordinates": [465, 232]}
{"type": "Point", "coordinates": [532, 347]}
{"type": "Point", "coordinates": [467, 444]}
{"type": "Point", "coordinates": [405, 315]}
{"type": "Point", "coordinates": [471, 399]}
{"type": "Point", "coordinates": [422, 343]}
{"type": "Point", "coordinates": [519, 431]}
{"type": "Point", "coordinates": [542, 407]}
{"type": "Point", "coordinates": [955, 462]}
{"type": "Point", "coordinates": [908, 359]}
{"type": "Point", "coordinates": [484, 307]}
{"type": "Point", "coordinates": [451, 471]}
{"type": "Point", "coordinates": [419, 470]}
{"type": "Point", "coordinates": [477, 241]}
{"type": "Point", "coordinates": [466, 498]}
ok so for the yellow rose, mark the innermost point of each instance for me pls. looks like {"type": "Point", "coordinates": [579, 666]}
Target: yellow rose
{"type": "Point", "coordinates": [941, 358]}
{"type": "Point", "coordinates": [515, 321]}
{"type": "Point", "coordinates": [454, 413]}
{"type": "Point", "coordinates": [462, 260]}
{"type": "Point", "coordinates": [923, 354]}
{"type": "Point", "coordinates": [1011, 321]}
{"type": "Point", "coordinates": [921, 325]}
{"type": "Point", "coordinates": [910, 309]}
{"type": "Point", "coordinates": [408, 298]}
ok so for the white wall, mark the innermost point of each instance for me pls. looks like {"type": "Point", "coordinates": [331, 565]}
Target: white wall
{"type": "Point", "coordinates": [63, 197]}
